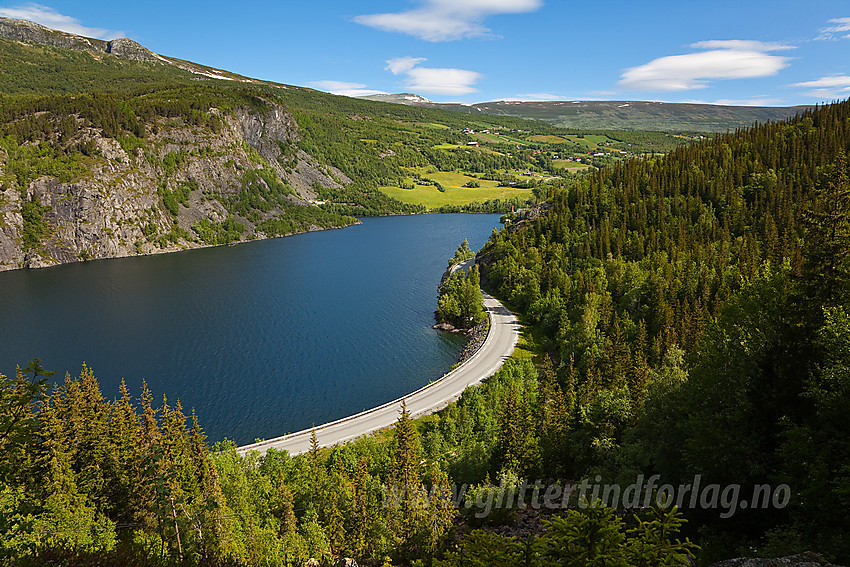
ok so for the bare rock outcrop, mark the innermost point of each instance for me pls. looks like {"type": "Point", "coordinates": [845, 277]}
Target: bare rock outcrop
{"type": "Point", "coordinates": [129, 49]}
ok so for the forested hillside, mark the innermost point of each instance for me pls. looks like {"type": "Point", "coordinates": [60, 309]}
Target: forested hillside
{"type": "Point", "coordinates": [695, 307]}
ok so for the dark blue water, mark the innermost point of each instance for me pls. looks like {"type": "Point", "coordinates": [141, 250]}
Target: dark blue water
{"type": "Point", "coordinates": [261, 338]}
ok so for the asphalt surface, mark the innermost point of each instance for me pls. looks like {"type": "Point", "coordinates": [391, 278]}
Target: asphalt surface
{"type": "Point", "coordinates": [498, 346]}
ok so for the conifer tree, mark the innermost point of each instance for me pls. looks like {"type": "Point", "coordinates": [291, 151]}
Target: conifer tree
{"type": "Point", "coordinates": [365, 512]}
{"type": "Point", "coordinates": [123, 446]}
{"type": "Point", "coordinates": [405, 483]}
{"type": "Point", "coordinates": [826, 269]}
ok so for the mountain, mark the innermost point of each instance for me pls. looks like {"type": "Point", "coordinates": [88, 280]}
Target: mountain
{"type": "Point", "coordinates": [108, 149]}
{"type": "Point", "coordinates": [400, 98]}
{"type": "Point", "coordinates": [619, 115]}
{"type": "Point", "coordinates": [123, 48]}
{"type": "Point", "coordinates": [167, 167]}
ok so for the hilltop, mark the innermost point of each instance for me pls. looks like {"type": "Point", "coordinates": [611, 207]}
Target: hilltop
{"type": "Point", "coordinates": [618, 115]}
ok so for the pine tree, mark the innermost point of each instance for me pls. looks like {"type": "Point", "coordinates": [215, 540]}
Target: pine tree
{"type": "Point", "coordinates": [146, 478]}
{"type": "Point", "coordinates": [826, 268]}
{"type": "Point", "coordinates": [18, 418]}
{"type": "Point", "coordinates": [365, 512]}
{"type": "Point", "coordinates": [86, 415]}
{"type": "Point", "coordinates": [122, 437]}
{"type": "Point", "coordinates": [440, 511]}
{"type": "Point", "coordinates": [405, 481]}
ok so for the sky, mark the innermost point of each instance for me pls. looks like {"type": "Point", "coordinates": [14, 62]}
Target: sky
{"type": "Point", "coordinates": [743, 52]}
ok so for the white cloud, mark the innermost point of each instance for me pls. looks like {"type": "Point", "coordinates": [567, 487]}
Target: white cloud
{"type": "Point", "coordinates": [725, 59]}
{"type": "Point", "coordinates": [442, 81]}
{"type": "Point", "coordinates": [50, 18]}
{"type": "Point", "coordinates": [344, 88]}
{"type": "Point", "coordinates": [831, 87]}
{"type": "Point", "coordinates": [741, 45]}
{"type": "Point", "coordinates": [763, 100]}
{"type": "Point", "coordinates": [447, 20]}
{"type": "Point", "coordinates": [433, 80]}
{"type": "Point", "coordinates": [841, 25]}
{"type": "Point", "coordinates": [536, 97]}
{"type": "Point", "coordinates": [402, 64]}
{"type": "Point", "coordinates": [831, 81]}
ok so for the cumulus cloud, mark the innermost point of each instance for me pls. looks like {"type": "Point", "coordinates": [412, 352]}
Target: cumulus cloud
{"type": "Point", "coordinates": [831, 87]}
{"type": "Point", "coordinates": [50, 18]}
{"type": "Point", "coordinates": [724, 59]}
{"type": "Point", "coordinates": [447, 20]}
{"type": "Point", "coordinates": [838, 29]}
{"type": "Point", "coordinates": [344, 88]}
{"type": "Point", "coordinates": [433, 80]}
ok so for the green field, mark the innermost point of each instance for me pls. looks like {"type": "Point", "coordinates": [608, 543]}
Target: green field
{"type": "Point", "coordinates": [454, 194]}
{"type": "Point", "coordinates": [548, 138]}
{"type": "Point", "coordinates": [505, 138]}
{"type": "Point", "coordinates": [430, 197]}
{"type": "Point", "coordinates": [570, 164]}
{"type": "Point", "coordinates": [492, 138]}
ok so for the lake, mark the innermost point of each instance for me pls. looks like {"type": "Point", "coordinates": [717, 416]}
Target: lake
{"type": "Point", "coordinates": [261, 338]}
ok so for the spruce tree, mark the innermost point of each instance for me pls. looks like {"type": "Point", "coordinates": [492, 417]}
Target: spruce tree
{"type": "Point", "coordinates": [405, 484]}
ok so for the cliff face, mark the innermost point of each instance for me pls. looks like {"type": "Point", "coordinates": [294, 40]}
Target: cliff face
{"type": "Point", "coordinates": [150, 198]}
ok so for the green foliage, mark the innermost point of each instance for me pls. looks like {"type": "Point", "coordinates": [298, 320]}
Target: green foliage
{"type": "Point", "coordinates": [35, 228]}
{"type": "Point", "coordinates": [460, 302]}
{"type": "Point", "coordinates": [228, 230]}
{"type": "Point", "coordinates": [172, 198]}
{"type": "Point", "coordinates": [130, 142]}
{"type": "Point", "coordinates": [687, 300]}
{"type": "Point", "coordinates": [595, 536]}
{"type": "Point", "coordinates": [262, 190]}
{"type": "Point", "coordinates": [463, 252]}
{"type": "Point", "coordinates": [27, 162]}
{"type": "Point", "coordinates": [490, 206]}
{"type": "Point", "coordinates": [87, 476]}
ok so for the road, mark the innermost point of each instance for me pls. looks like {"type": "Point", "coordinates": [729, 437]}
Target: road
{"type": "Point", "coordinates": [498, 346]}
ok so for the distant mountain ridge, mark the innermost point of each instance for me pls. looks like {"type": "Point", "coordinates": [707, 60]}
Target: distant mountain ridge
{"type": "Point", "coordinates": [399, 98]}
{"type": "Point", "coordinates": [618, 115]}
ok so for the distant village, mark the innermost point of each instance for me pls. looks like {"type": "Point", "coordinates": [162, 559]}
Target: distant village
{"type": "Point", "coordinates": [601, 151]}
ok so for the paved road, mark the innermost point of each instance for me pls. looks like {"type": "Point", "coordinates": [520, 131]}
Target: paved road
{"type": "Point", "coordinates": [499, 345]}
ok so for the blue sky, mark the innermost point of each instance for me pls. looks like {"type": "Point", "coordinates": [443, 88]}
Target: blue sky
{"type": "Point", "coordinates": [765, 52]}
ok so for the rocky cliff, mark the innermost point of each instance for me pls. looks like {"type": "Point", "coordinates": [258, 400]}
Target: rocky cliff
{"type": "Point", "coordinates": [182, 186]}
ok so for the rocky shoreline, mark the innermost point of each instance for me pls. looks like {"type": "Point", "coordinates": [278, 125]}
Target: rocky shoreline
{"type": "Point", "coordinates": [477, 335]}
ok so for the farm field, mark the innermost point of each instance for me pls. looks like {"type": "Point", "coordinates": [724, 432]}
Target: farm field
{"type": "Point", "coordinates": [570, 164]}
{"type": "Point", "coordinates": [548, 139]}
{"type": "Point", "coordinates": [454, 194]}
{"type": "Point", "coordinates": [430, 197]}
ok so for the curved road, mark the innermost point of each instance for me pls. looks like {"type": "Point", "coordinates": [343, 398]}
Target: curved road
{"type": "Point", "coordinates": [497, 347]}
